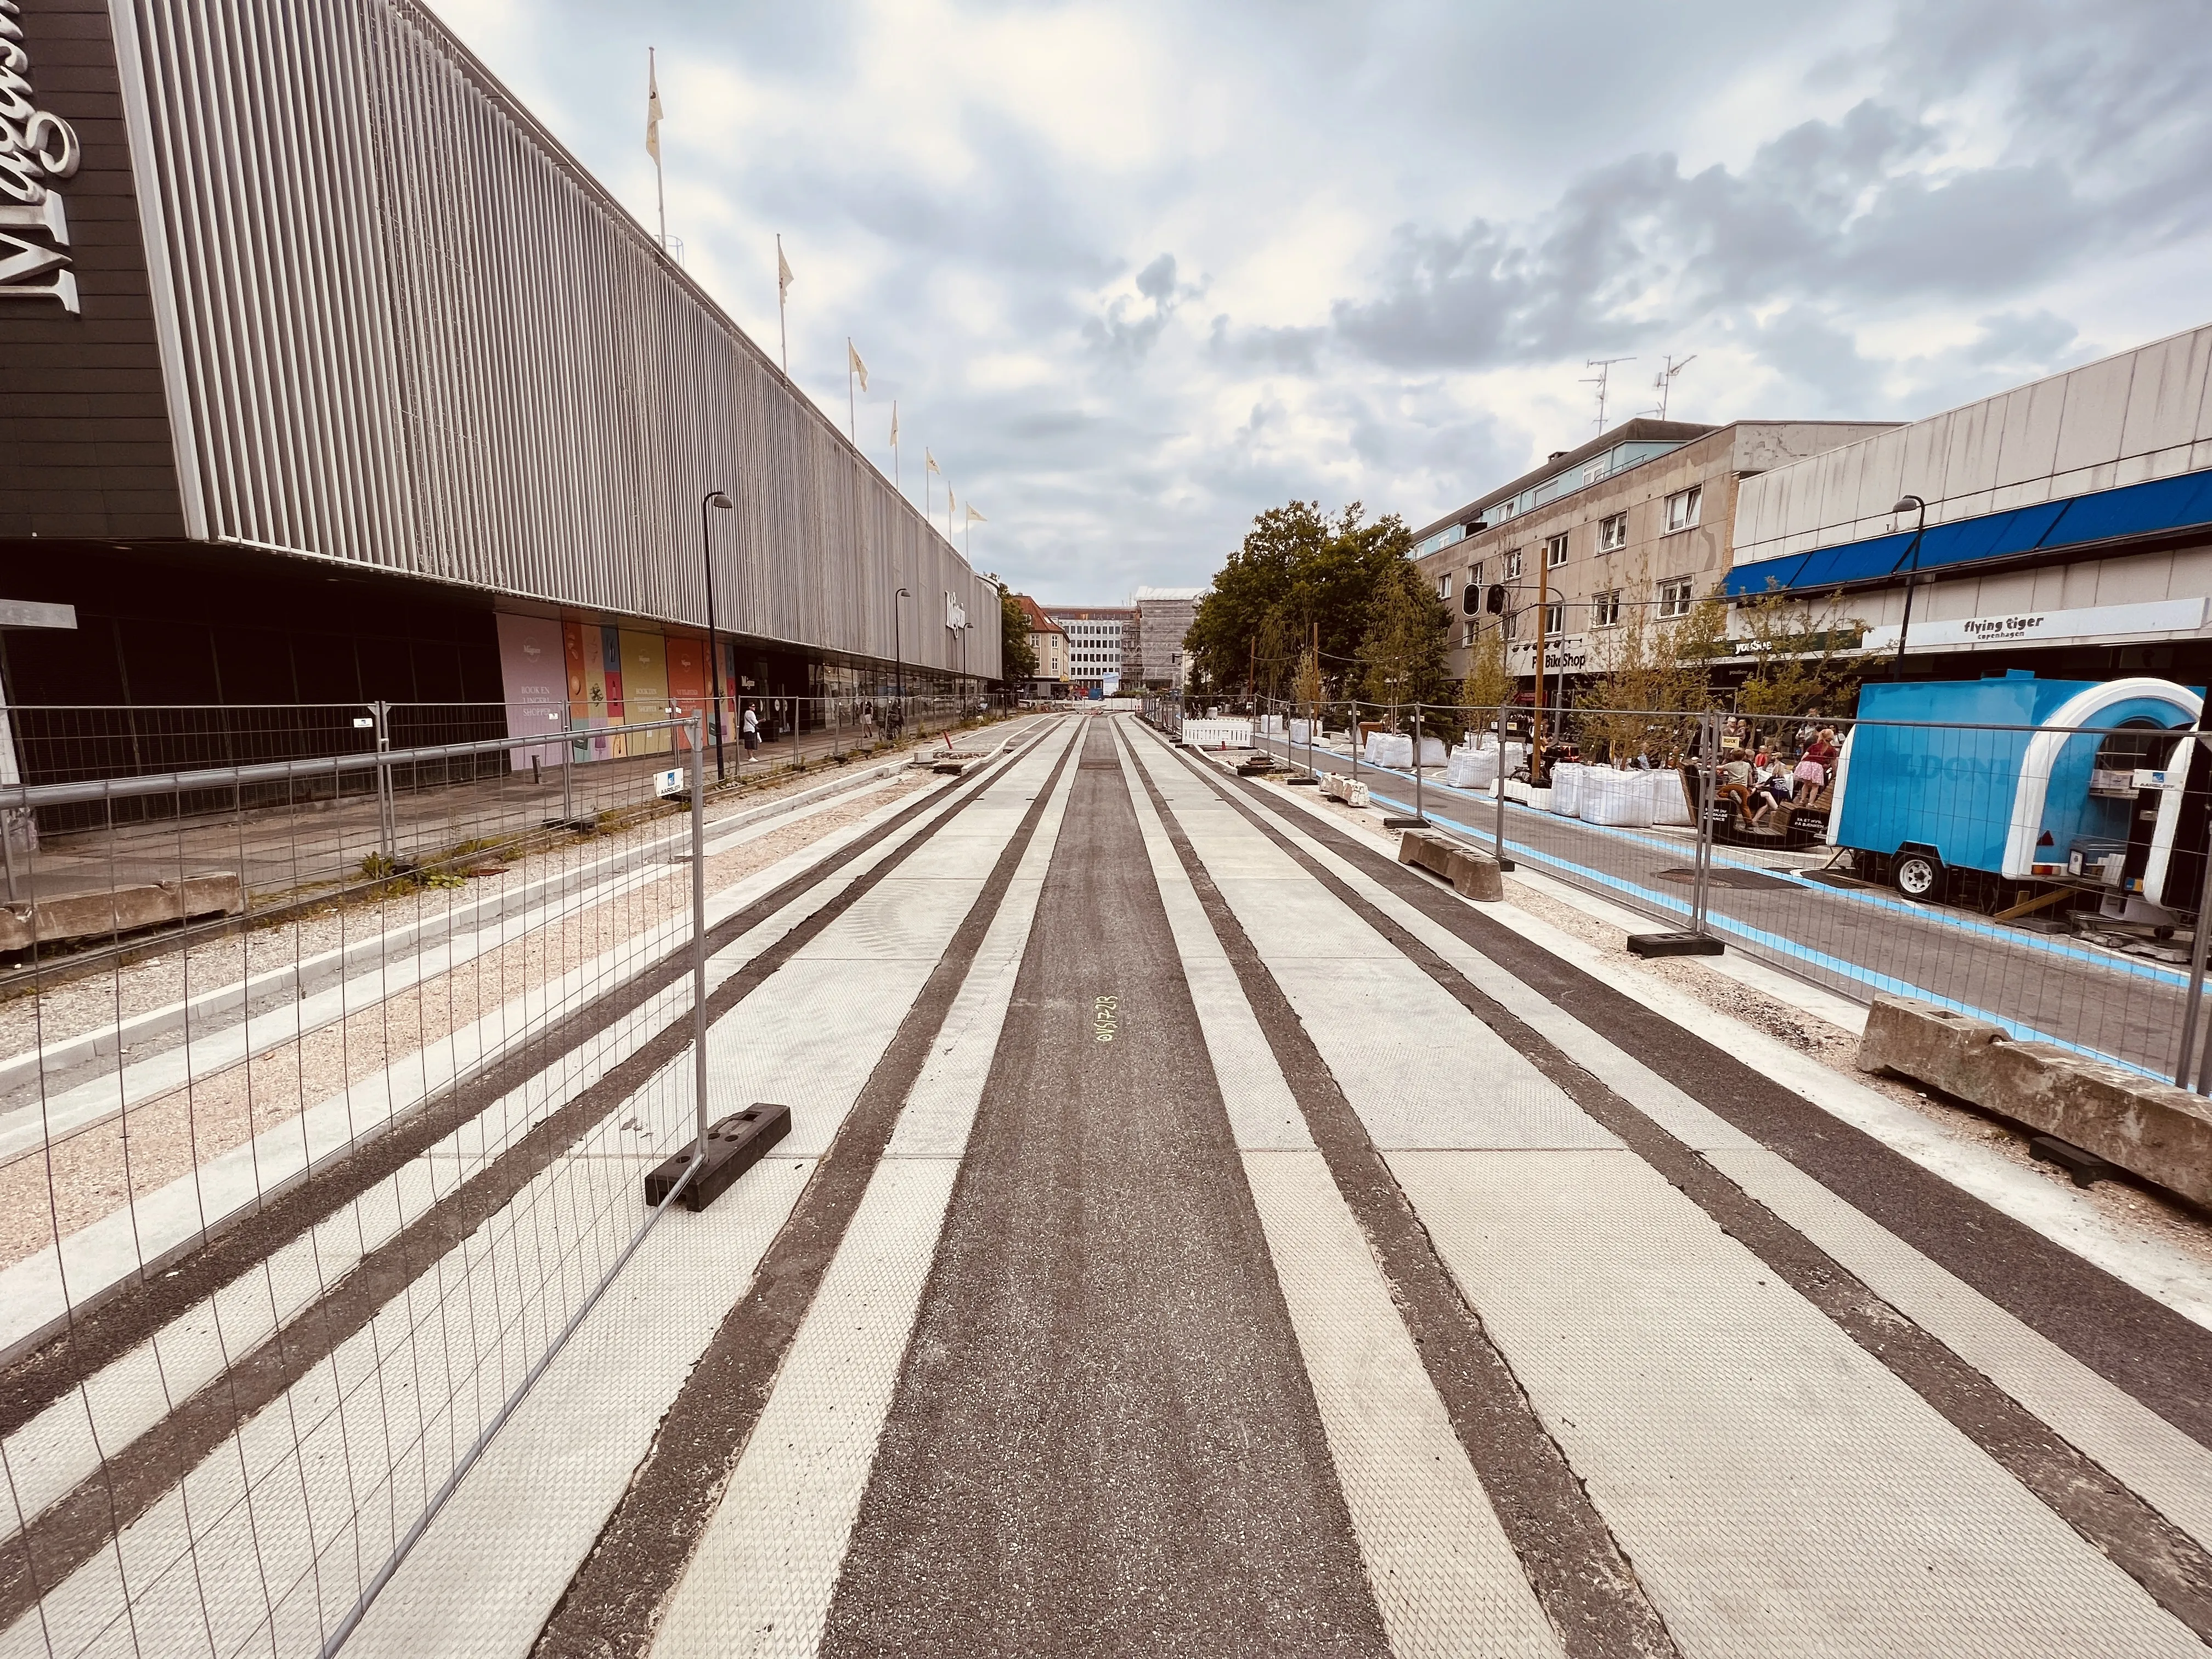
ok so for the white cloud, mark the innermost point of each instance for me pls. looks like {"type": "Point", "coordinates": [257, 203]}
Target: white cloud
{"type": "Point", "coordinates": [1137, 271]}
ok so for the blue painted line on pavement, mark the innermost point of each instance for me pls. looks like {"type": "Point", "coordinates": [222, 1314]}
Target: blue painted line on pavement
{"type": "Point", "coordinates": [1973, 927]}
{"type": "Point", "coordinates": [1779, 944]}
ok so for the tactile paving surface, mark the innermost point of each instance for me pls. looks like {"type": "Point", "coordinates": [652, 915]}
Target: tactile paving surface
{"type": "Point", "coordinates": [1778, 1490]}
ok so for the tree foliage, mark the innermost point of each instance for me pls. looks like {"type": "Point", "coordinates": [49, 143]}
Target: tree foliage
{"type": "Point", "coordinates": [1017, 653]}
{"type": "Point", "coordinates": [1487, 685]}
{"type": "Point", "coordinates": [1796, 651]}
{"type": "Point", "coordinates": [1401, 655]}
{"type": "Point", "coordinates": [1295, 568]}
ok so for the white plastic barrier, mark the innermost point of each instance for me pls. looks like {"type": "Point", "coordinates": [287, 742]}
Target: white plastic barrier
{"type": "Point", "coordinates": [1619, 799]}
{"type": "Point", "coordinates": [1567, 788]}
{"type": "Point", "coordinates": [1388, 749]}
{"type": "Point", "coordinates": [1217, 734]}
{"type": "Point", "coordinates": [1670, 799]}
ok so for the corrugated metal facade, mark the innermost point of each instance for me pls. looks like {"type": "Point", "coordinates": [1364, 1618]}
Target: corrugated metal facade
{"type": "Point", "coordinates": [399, 327]}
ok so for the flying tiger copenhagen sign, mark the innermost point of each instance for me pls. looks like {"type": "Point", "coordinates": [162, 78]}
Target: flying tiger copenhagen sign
{"type": "Point", "coordinates": [38, 148]}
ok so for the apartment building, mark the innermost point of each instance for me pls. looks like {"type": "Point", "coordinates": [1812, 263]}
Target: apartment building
{"type": "Point", "coordinates": [1048, 639]}
{"type": "Point", "coordinates": [1097, 640]}
{"type": "Point", "coordinates": [1640, 518]}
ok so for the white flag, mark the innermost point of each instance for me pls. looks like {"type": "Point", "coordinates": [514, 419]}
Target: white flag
{"type": "Point", "coordinates": [948, 503]}
{"type": "Point", "coordinates": [931, 460]}
{"type": "Point", "coordinates": [894, 423]}
{"type": "Point", "coordinates": [651, 108]}
{"type": "Point", "coordinates": [854, 363]}
{"type": "Point", "coordinates": [974, 517]}
{"type": "Point", "coordinates": [782, 273]}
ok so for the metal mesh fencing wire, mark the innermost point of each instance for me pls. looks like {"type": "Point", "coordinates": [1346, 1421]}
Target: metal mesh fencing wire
{"type": "Point", "coordinates": [2045, 878]}
{"type": "Point", "coordinates": [384, 1110]}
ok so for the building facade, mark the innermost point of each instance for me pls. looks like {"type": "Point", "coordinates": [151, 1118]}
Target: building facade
{"type": "Point", "coordinates": [1099, 641]}
{"type": "Point", "coordinates": [318, 357]}
{"type": "Point", "coordinates": [1048, 639]}
{"type": "Point", "coordinates": [2068, 525]}
{"type": "Point", "coordinates": [1163, 617]}
{"type": "Point", "coordinates": [1637, 520]}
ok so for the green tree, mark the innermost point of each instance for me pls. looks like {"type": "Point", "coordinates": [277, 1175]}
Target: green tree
{"type": "Point", "coordinates": [1401, 655]}
{"type": "Point", "coordinates": [1018, 654]}
{"type": "Point", "coordinates": [1798, 665]}
{"type": "Point", "coordinates": [1487, 685]}
{"type": "Point", "coordinates": [1297, 568]}
{"type": "Point", "coordinates": [1652, 670]}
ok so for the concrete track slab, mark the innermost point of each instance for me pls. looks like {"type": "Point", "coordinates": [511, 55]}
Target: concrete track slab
{"type": "Point", "coordinates": [1778, 1489]}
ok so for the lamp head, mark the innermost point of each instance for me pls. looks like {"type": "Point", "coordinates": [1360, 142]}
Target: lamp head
{"type": "Point", "coordinates": [1909, 504]}
{"type": "Point", "coordinates": [718, 499]}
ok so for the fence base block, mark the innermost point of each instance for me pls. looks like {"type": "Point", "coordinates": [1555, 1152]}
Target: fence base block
{"type": "Point", "coordinates": [734, 1145]}
{"type": "Point", "coordinates": [2086, 1168]}
{"type": "Point", "coordinates": [1674, 944]}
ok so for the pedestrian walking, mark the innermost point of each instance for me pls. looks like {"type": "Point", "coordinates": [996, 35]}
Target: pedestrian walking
{"type": "Point", "coordinates": [748, 728]}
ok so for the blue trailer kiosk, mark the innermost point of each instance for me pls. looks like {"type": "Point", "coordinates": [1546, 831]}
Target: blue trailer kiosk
{"type": "Point", "coordinates": [2024, 804]}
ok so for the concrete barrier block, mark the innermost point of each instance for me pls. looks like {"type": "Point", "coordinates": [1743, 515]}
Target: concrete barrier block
{"type": "Point", "coordinates": [221, 894]}
{"type": "Point", "coordinates": [1921, 1040]}
{"type": "Point", "coordinates": [1476, 876]}
{"type": "Point", "coordinates": [2149, 1128]}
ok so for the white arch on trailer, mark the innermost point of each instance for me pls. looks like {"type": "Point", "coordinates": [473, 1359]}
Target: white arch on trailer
{"type": "Point", "coordinates": [2032, 788]}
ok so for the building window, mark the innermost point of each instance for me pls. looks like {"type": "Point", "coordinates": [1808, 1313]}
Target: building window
{"type": "Point", "coordinates": [1444, 585]}
{"type": "Point", "coordinates": [1555, 619]}
{"type": "Point", "coordinates": [1555, 551]}
{"type": "Point", "coordinates": [1674, 597]}
{"type": "Point", "coordinates": [1513, 565]}
{"type": "Point", "coordinates": [1605, 610]}
{"type": "Point", "coordinates": [1509, 624]}
{"type": "Point", "coordinates": [1613, 534]}
{"type": "Point", "coordinates": [1467, 634]}
{"type": "Point", "coordinates": [1682, 509]}
{"type": "Point", "coordinates": [1474, 576]}
{"type": "Point", "coordinates": [1595, 470]}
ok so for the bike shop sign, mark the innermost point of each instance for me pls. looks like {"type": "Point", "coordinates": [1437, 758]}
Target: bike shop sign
{"type": "Point", "coordinates": [2092, 623]}
{"type": "Point", "coordinates": [37, 150]}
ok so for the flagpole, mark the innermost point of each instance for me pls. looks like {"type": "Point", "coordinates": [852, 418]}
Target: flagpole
{"type": "Point", "coordinates": [782, 330]}
{"type": "Point", "coordinates": [895, 465]}
{"type": "Point", "coordinates": [852, 407]}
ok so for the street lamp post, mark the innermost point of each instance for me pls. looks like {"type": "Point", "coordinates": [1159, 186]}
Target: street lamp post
{"type": "Point", "coordinates": [716, 499]}
{"type": "Point", "coordinates": [1919, 528]}
{"type": "Point", "coordinates": [898, 656]}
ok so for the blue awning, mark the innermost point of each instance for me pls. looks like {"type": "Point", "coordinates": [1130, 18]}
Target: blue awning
{"type": "Point", "coordinates": [2142, 510]}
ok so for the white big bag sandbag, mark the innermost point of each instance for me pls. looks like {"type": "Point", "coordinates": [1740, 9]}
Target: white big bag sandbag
{"type": "Point", "coordinates": [1670, 799]}
{"type": "Point", "coordinates": [1616, 800]}
{"type": "Point", "coordinates": [1567, 788]}
{"type": "Point", "coordinates": [1432, 752]}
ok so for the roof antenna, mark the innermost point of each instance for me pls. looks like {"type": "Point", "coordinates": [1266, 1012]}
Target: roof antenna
{"type": "Point", "coordinates": [1602, 380]}
{"type": "Point", "coordinates": [1665, 383]}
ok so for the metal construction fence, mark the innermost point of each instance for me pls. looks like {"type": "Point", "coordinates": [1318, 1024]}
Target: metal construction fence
{"type": "Point", "coordinates": [251, 810]}
{"type": "Point", "coordinates": [2048, 878]}
{"type": "Point", "coordinates": [291, 1219]}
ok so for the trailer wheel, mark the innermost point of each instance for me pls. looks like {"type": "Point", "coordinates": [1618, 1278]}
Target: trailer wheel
{"type": "Point", "coordinates": [1919, 876]}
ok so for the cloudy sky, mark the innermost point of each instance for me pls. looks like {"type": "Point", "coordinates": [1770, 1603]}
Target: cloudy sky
{"type": "Point", "coordinates": [1137, 271]}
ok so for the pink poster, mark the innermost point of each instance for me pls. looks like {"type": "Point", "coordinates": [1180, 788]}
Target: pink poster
{"type": "Point", "coordinates": [532, 672]}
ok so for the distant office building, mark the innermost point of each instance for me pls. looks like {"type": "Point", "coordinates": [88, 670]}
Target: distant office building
{"type": "Point", "coordinates": [1050, 641]}
{"type": "Point", "coordinates": [326, 375]}
{"type": "Point", "coordinates": [1636, 521]}
{"type": "Point", "coordinates": [2069, 526]}
{"type": "Point", "coordinates": [1097, 638]}
{"type": "Point", "coordinates": [1163, 617]}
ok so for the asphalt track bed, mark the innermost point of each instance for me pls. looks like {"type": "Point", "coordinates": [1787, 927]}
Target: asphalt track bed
{"type": "Point", "coordinates": [2141, 1345]}
{"type": "Point", "coordinates": [1102, 1438]}
{"type": "Point", "coordinates": [1876, 940]}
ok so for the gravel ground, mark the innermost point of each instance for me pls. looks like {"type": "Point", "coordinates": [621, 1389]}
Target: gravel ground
{"type": "Point", "coordinates": [88, 1175]}
{"type": "Point", "coordinates": [2145, 1210]}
